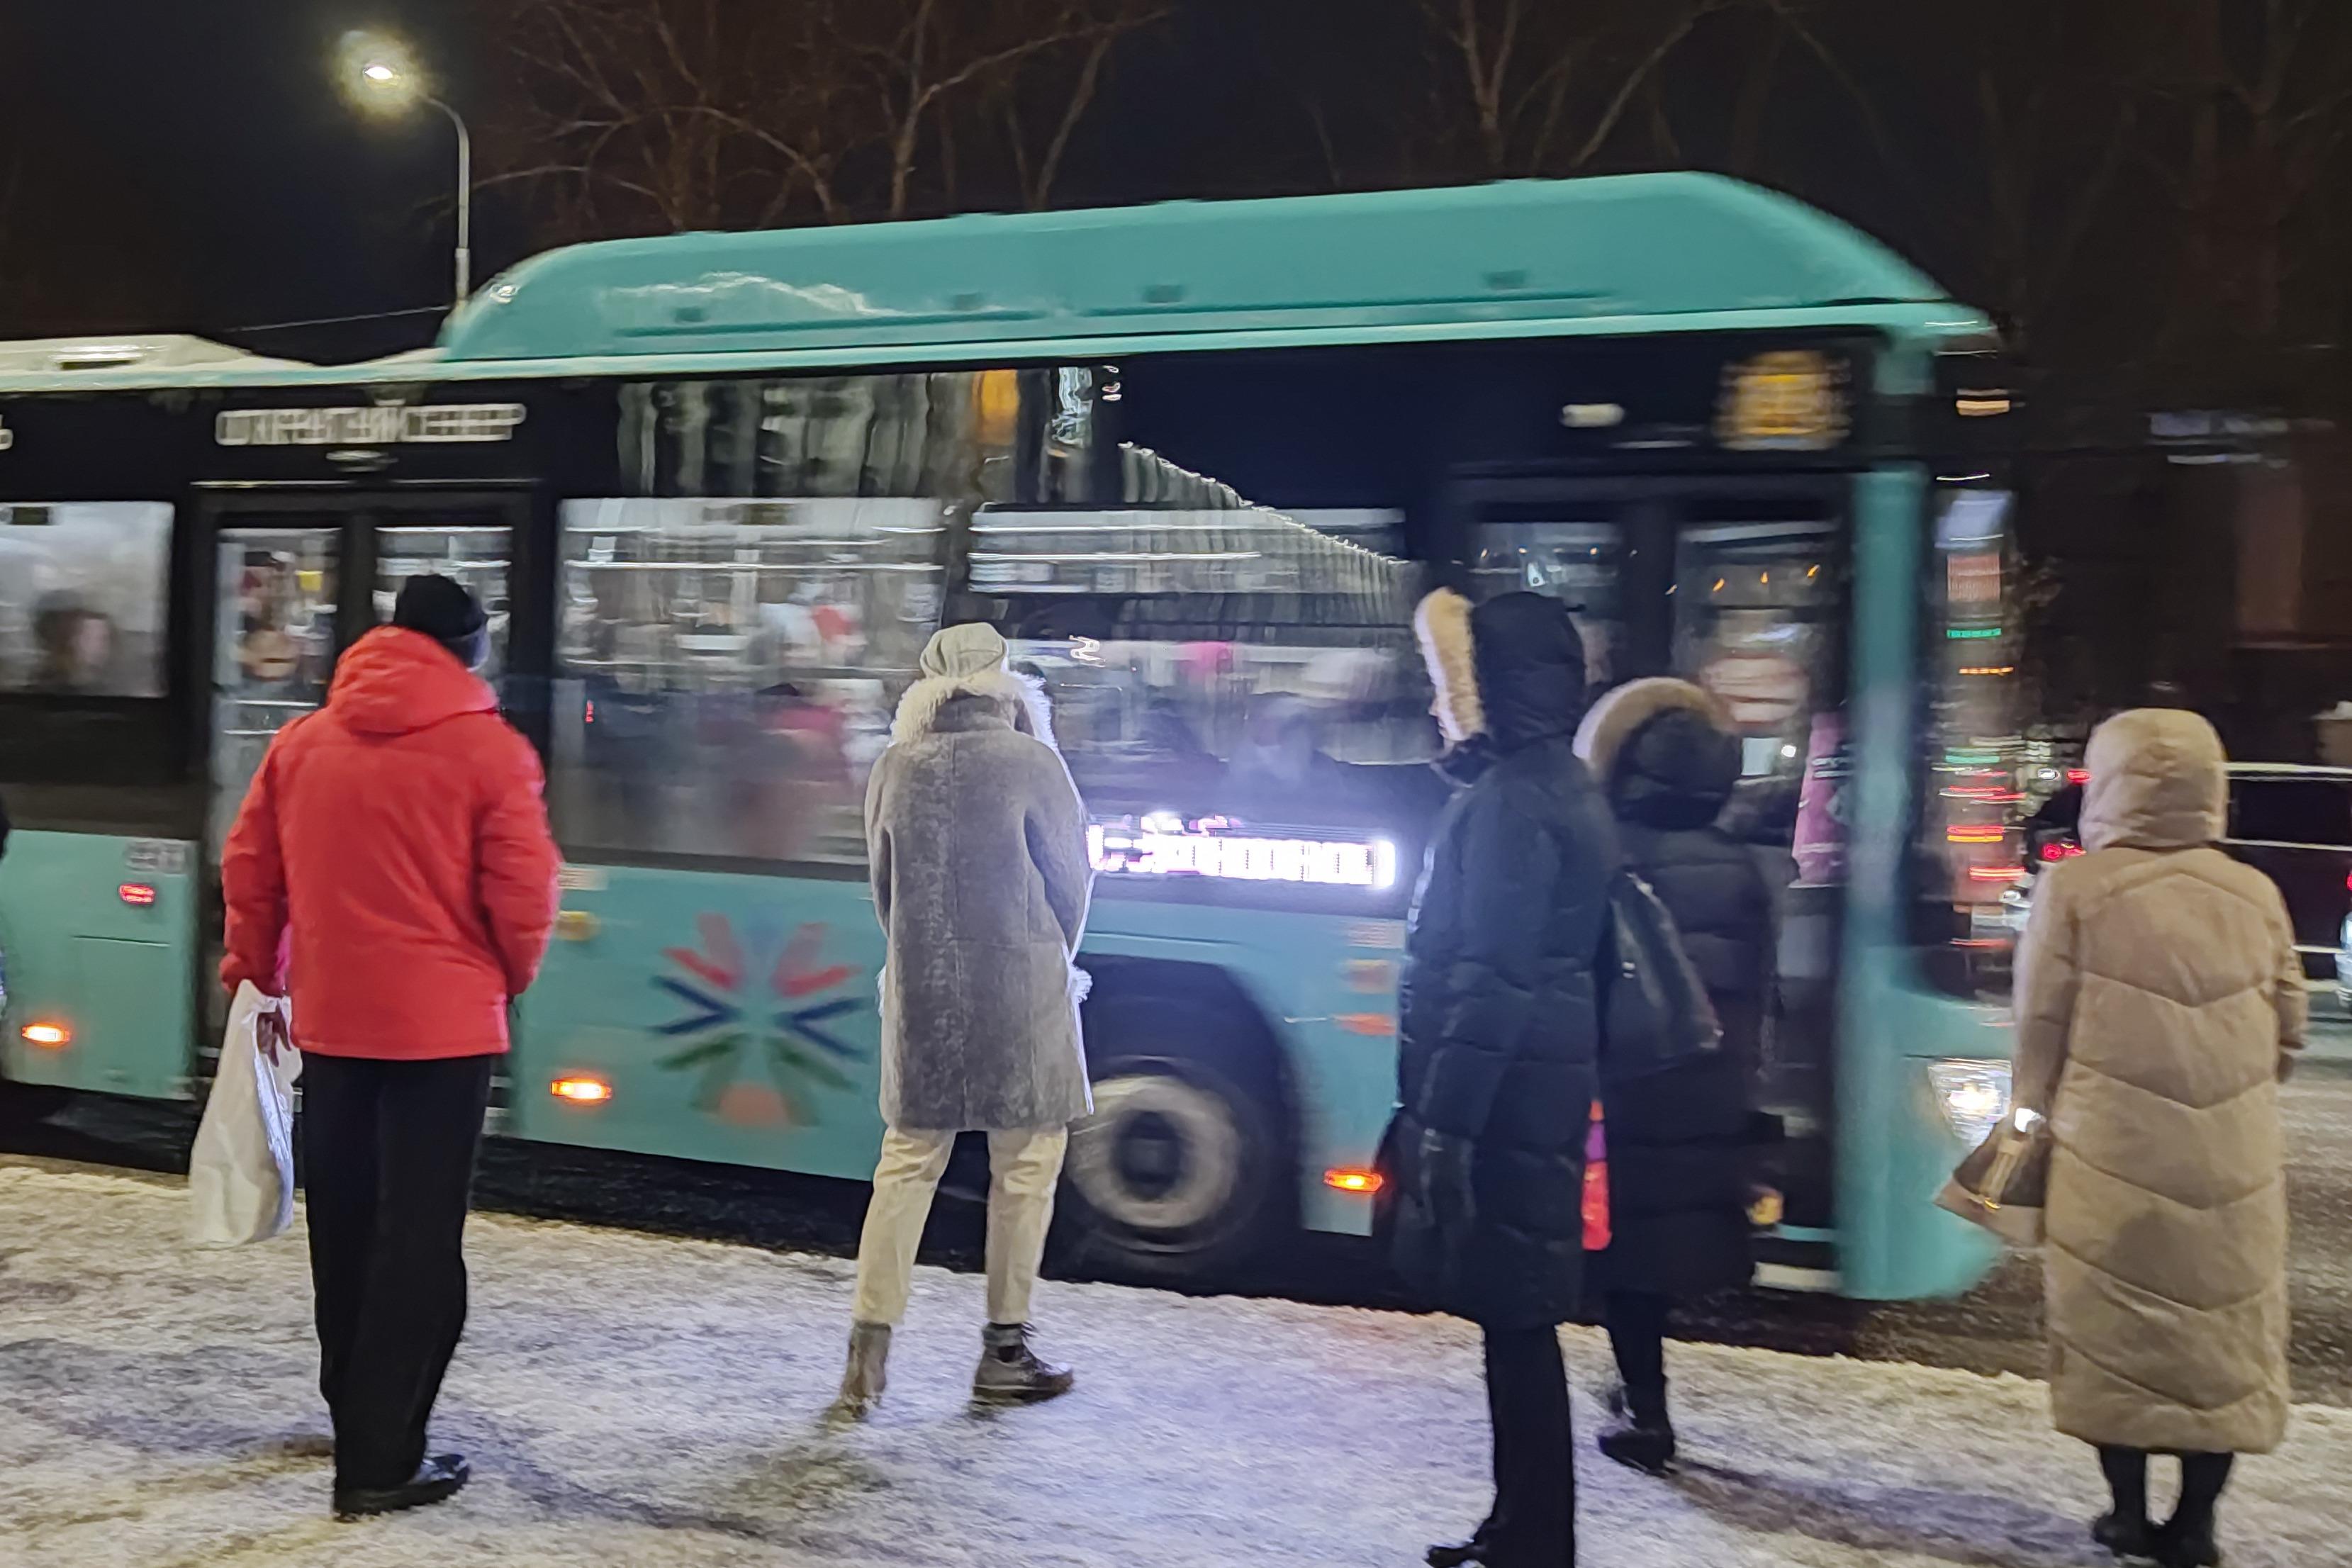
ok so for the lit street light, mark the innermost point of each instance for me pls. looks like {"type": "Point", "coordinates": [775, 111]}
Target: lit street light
{"type": "Point", "coordinates": [383, 79]}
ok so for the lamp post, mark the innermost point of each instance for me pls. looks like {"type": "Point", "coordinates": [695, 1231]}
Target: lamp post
{"type": "Point", "coordinates": [383, 79]}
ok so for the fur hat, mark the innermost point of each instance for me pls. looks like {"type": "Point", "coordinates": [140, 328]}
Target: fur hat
{"type": "Point", "coordinates": [971, 661]}
{"type": "Point", "coordinates": [965, 650]}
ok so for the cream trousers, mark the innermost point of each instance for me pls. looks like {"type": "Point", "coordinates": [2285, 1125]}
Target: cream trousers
{"type": "Point", "coordinates": [1022, 1169]}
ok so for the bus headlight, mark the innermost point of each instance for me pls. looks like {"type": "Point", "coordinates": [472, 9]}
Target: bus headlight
{"type": "Point", "coordinates": [1973, 1095]}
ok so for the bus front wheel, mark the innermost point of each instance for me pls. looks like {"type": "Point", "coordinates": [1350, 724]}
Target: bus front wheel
{"type": "Point", "coordinates": [1183, 1171]}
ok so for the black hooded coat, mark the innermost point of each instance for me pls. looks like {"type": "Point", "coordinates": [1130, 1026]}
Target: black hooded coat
{"type": "Point", "coordinates": [1499, 1033]}
{"type": "Point", "coordinates": [1681, 1143]}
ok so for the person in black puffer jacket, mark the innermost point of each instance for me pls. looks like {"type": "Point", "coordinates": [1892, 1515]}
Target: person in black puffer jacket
{"type": "Point", "coordinates": [1500, 1032]}
{"type": "Point", "coordinates": [1680, 1143]}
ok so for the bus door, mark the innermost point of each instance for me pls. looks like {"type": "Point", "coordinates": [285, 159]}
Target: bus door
{"type": "Point", "coordinates": [297, 579]}
{"type": "Point", "coordinates": [295, 582]}
{"type": "Point", "coordinates": [1738, 584]}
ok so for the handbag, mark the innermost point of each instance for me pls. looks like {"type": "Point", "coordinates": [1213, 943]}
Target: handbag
{"type": "Point", "coordinates": [1655, 1012]}
{"type": "Point", "coordinates": [2001, 1183]}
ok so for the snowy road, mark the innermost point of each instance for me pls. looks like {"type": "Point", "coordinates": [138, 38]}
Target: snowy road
{"type": "Point", "coordinates": [1996, 1327]}
{"type": "Point", "coordinates": [651, 1402]}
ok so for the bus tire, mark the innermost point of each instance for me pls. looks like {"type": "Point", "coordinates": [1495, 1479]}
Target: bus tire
{"type": "Point", "coordinates": [1186, 1168]}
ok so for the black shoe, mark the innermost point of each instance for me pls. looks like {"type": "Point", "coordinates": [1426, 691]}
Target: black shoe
{"type": "Point", "coordinates": [1644, 1445]}
{"type": "Point", "coordinates": [2177, 1545]}
{"type": "Point", "coordinates": [2124, 1537]}
{"type": "Point", "coordinates": [1470, 1551]}
{"type": "Point", "coordinates": [435, 1480]}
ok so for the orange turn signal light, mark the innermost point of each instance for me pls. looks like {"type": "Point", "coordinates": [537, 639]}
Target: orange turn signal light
{"type": "Point", "coordinates": [581, 1091]}
{"type": "Point", "coordinates": [52, 1036]}
{"type": "Point", "coordinates": [1348, 1181]}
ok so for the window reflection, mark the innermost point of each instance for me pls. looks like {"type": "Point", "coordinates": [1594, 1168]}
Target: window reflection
{"type": "Point", "coordinates": [82, 597]}
{"type": "Point", "coordinates": [274, 648]}
{"type": "Point", "coordinates": [1215, 658]}
{"type": "Point", "coordinates": [1969, 864]}
{"type": "Point", "coordinates": [1757, 613]}
{"type": "Point", "coordinates": [1749, 609]}
{"type": "Point", "coordinates": [946, 434]}
{"type": "Point", "coordinates": [728, 668]}
{"type": "Point", "coordinates": [1579, 564]}
{"type": "Point", "coordinates": [474, 556]}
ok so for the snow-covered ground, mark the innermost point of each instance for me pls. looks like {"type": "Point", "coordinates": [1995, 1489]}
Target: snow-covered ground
{"type": "Point", "coordinates": [650, 1403]}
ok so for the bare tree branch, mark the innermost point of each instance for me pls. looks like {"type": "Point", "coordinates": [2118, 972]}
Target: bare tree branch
{"type": "Point", "coordinates": [1639, 77]}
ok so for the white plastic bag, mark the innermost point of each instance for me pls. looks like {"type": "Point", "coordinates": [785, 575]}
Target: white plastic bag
{"type": "Point", "coordinates": [241, 1173]}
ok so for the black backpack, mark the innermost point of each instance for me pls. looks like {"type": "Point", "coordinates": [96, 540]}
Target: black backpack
{"type": "Point", "coordinates": [1655, 1012]}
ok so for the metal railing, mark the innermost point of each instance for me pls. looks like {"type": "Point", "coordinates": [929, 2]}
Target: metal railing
{"type": "Point", "coordinates": [2268, 773]}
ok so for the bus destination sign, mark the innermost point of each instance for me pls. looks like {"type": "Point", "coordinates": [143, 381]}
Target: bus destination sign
{"type": "Point", "coordinates": [435, 425]}
{"type": "Point", "coordinates": [1786, 401]}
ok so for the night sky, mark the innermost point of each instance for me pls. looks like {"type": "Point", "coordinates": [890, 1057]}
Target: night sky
{"type": "Point", "coordinates": [209, 177]}
{"type": "Point", "coordinates": [195, 165]}
{"type": "Point", "coordinates": [209, 143]}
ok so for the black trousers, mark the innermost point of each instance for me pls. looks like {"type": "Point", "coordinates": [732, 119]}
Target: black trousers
{"type": "Point", "coordinates": [1637, 1337]}
{"type": "Point", "coordinates": [388, 1168]}
{"type": "Point", "coordinates": [2202, 1477]}
{"type": "Point", "coordinates": [1534, 1521]}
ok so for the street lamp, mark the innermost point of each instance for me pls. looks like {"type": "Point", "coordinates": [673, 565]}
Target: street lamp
{"type": "Point", "coordinates": [382, 78]}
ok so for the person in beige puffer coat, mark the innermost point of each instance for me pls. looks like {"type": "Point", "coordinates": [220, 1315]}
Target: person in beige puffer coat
{"type": "Point", "coordinates": [2158, 992]}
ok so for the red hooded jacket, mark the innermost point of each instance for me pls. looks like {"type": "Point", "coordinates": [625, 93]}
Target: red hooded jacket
{"type": "Point", "coordinates": [391, 862]}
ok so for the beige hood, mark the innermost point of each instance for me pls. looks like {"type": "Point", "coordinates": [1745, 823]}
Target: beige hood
{"type": "Point", "coordinates": [2159, 779]}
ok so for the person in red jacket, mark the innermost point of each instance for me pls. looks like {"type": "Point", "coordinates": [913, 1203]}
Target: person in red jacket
{"type": "Point", "coordinates": [391, 870]}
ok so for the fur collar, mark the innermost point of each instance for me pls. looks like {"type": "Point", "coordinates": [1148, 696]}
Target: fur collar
{"type": "Point", "coordinates": [1031, 714]}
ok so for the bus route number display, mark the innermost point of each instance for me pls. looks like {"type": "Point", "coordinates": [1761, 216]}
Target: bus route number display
{"type": "Point", "coordinates": [430, 424]}
{"type": "Point", "coordinates": [1788, 401]}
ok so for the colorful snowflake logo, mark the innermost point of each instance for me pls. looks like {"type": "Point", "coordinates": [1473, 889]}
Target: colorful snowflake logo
{"type": "Point", "coordinates": [731, 1034]}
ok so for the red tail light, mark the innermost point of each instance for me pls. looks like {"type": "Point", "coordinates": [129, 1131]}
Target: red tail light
{"type": "Point", "coordinates": [137, 895]}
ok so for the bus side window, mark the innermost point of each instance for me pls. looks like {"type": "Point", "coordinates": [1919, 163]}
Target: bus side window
{"type": "Point", "coordinates": [82, 595]}
{"type": "Point", "coordinates": [726, 669]}
{"type": "Point", "coordinates": [733, 640]}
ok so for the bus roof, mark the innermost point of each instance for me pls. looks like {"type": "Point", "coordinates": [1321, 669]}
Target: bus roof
{"type": "Point", "coordinates": [41, 357]}
{"type": "Point", "coordinates": [1629, 253]}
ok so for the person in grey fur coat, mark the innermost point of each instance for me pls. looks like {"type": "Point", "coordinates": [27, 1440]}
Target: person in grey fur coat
{"type": "Point", "coordinates": [976, 840]}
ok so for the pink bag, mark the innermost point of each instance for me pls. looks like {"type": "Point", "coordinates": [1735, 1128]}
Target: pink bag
{"type": "Point", "coordinates": [1596, 1186]}
{"type": "Point", "coordinates": [1822, 808]}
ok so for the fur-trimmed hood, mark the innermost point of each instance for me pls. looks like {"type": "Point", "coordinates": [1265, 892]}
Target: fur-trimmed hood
{"type": "Point", "coordinates": [1442, 624]}
{"type": "Point", "coordinates": [1019, 700]}
{"type": "Point", "coordinates": [1611, 721]}
{"type": "Point", "coordinates": [1663, 751]}
{"type": "Point", "coordinates": [1507, 672]}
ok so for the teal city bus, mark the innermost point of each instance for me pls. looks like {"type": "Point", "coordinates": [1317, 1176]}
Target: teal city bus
{"type": "Point", "coordinates": [1197, 461]}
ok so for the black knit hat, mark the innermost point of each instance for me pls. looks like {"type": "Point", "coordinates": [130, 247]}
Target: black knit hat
{"type": "Point", "coordinates": [443, 610]}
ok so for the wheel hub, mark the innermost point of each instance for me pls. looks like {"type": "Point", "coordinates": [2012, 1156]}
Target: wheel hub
{"type": "Point", "coordinates": [1158, 1155]}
